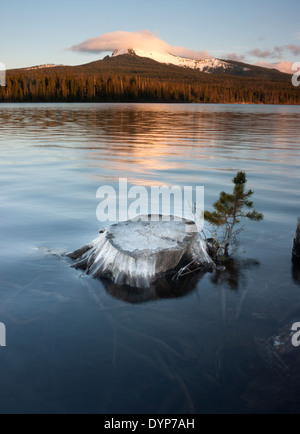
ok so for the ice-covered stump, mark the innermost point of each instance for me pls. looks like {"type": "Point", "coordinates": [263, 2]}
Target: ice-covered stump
{"type": "Point", "coordinates": [136, 253]}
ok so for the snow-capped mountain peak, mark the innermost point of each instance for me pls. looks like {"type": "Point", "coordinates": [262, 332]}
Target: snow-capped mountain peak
{"type": "Point", "coordinates": [204, 65]}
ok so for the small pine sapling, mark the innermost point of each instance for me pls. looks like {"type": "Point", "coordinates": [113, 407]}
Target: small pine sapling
{"type": "Point", "coordinates": [229, 210]}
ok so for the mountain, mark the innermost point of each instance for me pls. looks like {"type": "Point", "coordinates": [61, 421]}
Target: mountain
{"type": "Point", "coordinates": [204, 65]}
{"type": "Point", "coordinates": [210, 65]}
{"type": "Point", "coordinates": [158, 64]}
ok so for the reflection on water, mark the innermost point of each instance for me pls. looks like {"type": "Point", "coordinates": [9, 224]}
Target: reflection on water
{"type": "Point", "coordinates": [234, 274]}
{"type": "Point", "coordinates": [142, 141]}
{"type": "Point", "coordinates": [76, 344]}
{"type": "Point", "coordinates": [164, 288]}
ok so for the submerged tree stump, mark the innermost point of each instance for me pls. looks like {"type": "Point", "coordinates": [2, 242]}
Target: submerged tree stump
{"type": "Point", "coordinates": [296, 247]}
{"type": "Point", "coordinates": [136, 253]}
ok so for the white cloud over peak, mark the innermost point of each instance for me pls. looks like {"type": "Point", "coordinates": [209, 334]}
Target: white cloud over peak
{"type": "Point", "coordinates": [143, 40]}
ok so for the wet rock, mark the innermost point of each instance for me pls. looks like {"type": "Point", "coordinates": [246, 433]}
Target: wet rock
{"type": "Point", "coordinates": [296, 246]}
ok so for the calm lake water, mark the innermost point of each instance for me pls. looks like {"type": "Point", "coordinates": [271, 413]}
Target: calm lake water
{"type": "Point", "coordinates": [75, 344]}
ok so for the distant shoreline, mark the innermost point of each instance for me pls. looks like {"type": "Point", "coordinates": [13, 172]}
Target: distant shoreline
{"type": "Point", "coordinates": [143, 102]}
{"type": "Point", "coordinates": [129, 79]}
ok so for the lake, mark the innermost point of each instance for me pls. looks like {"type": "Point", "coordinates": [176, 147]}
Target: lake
{"type": "Point", "coordinates": [76, 344]}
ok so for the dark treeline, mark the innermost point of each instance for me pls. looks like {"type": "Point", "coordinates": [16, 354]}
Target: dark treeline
{"type": "Point", "coordinates": [46, 86]}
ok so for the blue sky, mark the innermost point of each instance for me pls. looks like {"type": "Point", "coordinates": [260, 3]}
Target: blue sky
{"type": "Point", "coordinates": [35, 32]}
